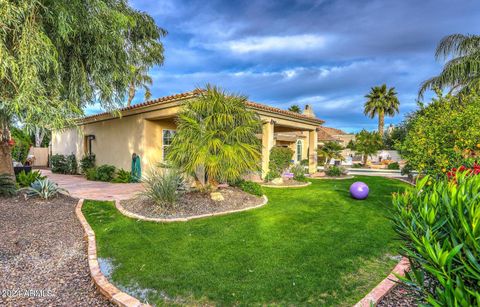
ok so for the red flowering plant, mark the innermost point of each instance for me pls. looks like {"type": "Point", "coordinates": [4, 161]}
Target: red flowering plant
{"type": "Point", "coordinates": [474, 169]}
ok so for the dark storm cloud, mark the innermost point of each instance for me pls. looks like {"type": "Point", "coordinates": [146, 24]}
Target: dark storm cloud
{"type": "Point", "coordinates": [326, 53]}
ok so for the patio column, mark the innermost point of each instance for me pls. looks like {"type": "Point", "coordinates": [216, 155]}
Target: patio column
{"type": "Point", "coordinates": [312, 150]}
{"type": "Point", "coordinates": [267, 144]}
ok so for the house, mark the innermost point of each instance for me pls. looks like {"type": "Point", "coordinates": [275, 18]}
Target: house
{"type": "Point", "coordinates": [147, 129]}
{"type": "Point", "coordinates": [327, 134]}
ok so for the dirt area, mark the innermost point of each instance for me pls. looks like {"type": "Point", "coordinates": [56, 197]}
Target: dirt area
{"type": "Point", "coordinates": [42, 255]}
{"type": "Point", "coordinates": [285, 183]}
{"type": "Point", "coordinates": [400, 296]}
{"type": "Point", "coordinates": [193, 203]}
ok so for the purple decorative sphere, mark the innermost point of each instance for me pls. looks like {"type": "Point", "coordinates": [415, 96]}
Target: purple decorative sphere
{"type": "Point", "coordinates": [359, 190]}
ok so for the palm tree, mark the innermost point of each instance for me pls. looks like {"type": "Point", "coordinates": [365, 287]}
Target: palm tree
{"type": "Point", "coordinates": [367, 144]}
{"type": "Point", "coordinates": [216, 139]}
{"type": "Point", "coordinates": [295, 108]}
{"type": "Point", "coordinates": [462, 71]}
{"type": "Point", "coordinates": [140, 78]}
{"type": "Point", "coordinates": [381, 101]}
{"type": "Point", "coordinates": [330, 150]}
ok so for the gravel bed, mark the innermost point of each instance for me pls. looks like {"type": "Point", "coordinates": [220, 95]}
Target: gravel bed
{"type": "Point", "coordinates": [43, 255]}
{"type": "Point", "coordinates": [193, 203]}
{"type": "Point", "coordinates": [400, 296]}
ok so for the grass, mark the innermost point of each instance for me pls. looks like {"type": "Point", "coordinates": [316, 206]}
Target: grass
{"type": "Point", "coordinates": [312, 245]}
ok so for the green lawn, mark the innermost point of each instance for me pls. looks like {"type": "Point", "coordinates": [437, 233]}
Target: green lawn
{"type": "Point", "coordinates": [312, 245]}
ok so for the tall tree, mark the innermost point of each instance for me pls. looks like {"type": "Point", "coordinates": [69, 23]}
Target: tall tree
{"type": "Point", "coordinates": [216, 139]}
{"type": "Point", "coordinates": [145, 51]}
{"type": "Point", "coordinates": [57, 56]}
{"type": "Point", "coordinates": [462, 71]}
{"type": "Point", "coordinates": [381, 102]}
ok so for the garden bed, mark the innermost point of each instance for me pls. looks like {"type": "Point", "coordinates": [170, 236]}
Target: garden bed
{"type": "Point", "coordinates": [42, 249]}
{"type": "Point", "coordinates": [193, 204]}
{"type": "Point", "coordinates": [286, 184]}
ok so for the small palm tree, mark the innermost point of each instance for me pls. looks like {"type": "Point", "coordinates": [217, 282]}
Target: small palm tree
{"type": "Point", "coordinates": [462, 71]}
{"type": "Point", "coordinates": [329, 151]}
{"type": "Point", "coordinates": [381, 101]}
{"type": "Point", "coordinates": [367, 144]}
{"type": "Point", "coordinates": [295, 108]}
{"type": "Point", "coordinates": [216, 139]}
{"type": "Point", "coordinates": [140, 78]}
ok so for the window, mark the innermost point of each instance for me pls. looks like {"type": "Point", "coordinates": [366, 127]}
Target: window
{"type": "Point", "coordinates": [299, 150]}
{"type": "Point", "coordinates": [167, 138]}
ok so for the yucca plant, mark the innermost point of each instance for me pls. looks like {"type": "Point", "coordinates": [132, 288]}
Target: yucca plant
{"type": "Point", "coordinates": [439, 223]}
{"type": "Point", "coordinates": [164, 186]}
{"type": "Point", "coordinates": [216, 139]}
{"type": "Point", "coordinates": [44, 188]}
{"type": "Point", "coordinates": [7, 185]}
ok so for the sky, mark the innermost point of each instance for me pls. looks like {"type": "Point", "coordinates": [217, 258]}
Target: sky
{"type": "Point", "coordinates": [324, 53]}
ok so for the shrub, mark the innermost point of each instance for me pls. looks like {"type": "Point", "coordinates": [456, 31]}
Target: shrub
{"type": "Point", "coordinates": [22, 144]}
{"type": "Point", "coordinates": [438, 223]}
{"type": "Point", "coordinates": [335, 171]}
{"type": "Point", "coordinates": [280, 159]}
{"type": "Point", "coordinates": [304, 162]}
{"type": "Point", "coordinates": [26, 179]}
{"type": "Point", "coordinates": [87, 162]}
{"type": "Point", "coordinates": [72, 165]}
{"type": "Point", "coordinates": [91, 173]}
{"type": "Point", "coordinates": [357, 165]}
{"type": "Point", "coordinates": [7, 185]}
{"type": "Point", "coordinates": [251, 187]}
{"type": "Point", "coordinates": [164, 186]}
{"type": "Point", "coordinates": [393, 165]}
{"type": "Point", "coordinates": [59, 164]}
{"type": "Point", "coordinates": [443, 134]}
{"type": "Point", "coordinates": [298, 172]}
{"type": "Point", "coordinates": [123, 176]}
{"type": "Point", "coordinates": [102, 173]}
{"type": "Point", "coordinates": [44, 188]}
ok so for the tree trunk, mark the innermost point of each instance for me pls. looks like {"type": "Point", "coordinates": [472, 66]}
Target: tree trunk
{"type": "Point", "coordinates": [131, 93]}
{"type": "Point", "coordinates": [39, 135]}
{"type": "Point", "coordinates": [365, 160]}
{"type": "Point", "coordinates": [6, 162]}
{"type": "Point", "coordinates": [381, 122]}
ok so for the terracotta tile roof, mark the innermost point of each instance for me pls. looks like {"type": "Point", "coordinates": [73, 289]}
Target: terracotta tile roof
{"type": "Point", "coordinates": [284, 112]}
{"type": "Point", "coordinates": [328, 134]}
{"type": "Point", "coordinates": [151, 102]}
{"type": "Point", "coordinates": [194, 93]}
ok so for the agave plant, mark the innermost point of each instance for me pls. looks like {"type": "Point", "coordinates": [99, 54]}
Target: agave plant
{"type": "Point", "coordinates": [44, 188]}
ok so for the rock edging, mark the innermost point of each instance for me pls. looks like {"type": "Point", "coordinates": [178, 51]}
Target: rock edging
{"type": "Point", "coordinates": [372, 298]}
{"type": "Point", "coordinates": [132, 215]}
{"type": "Point", "coordinates": [333, 178]}
{"type": "Point", "coordinates": [111, 292]}
{"type": "Point", "coordinates": [306, 184]}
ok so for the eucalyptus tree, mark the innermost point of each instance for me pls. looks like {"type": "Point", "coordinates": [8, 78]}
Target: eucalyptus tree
{"type": "Point", "coordinates": [58, 56]}
{"type": "Point", "coordinates": [380, 102]}
{"type": "Point", "coordinates": [216, 139]}
{"type": "Point", "coordinates": [461, 72]}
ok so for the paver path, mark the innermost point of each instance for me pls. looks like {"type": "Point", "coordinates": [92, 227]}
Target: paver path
{"type": "Point", "coordinates": [79, 187]}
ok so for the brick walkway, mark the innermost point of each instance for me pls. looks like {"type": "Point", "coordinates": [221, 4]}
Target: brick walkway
{"type": "Point", "coordinates": [79, 187]}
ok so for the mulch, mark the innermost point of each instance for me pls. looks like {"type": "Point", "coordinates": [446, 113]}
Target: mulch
{"type": "Point", "coordinates": [193, 203]}
{"type": "Point", "coordinates": [43, 255]}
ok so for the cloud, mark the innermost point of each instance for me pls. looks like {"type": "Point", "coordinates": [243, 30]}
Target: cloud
{"type": "Point", "coordinates": [268, 44]}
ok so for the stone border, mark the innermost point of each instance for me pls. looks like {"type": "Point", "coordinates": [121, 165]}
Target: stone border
{"type": "Point", "coordinates": [132, 215]}
{"type": "Point", "coordinates": [333, 178]}
{"type": "Point", "coordinates": [111, 292]}
{"type": "Point", "coordinates": [306, 184]}
{"type": "Point", "coordinates": [372, 298]}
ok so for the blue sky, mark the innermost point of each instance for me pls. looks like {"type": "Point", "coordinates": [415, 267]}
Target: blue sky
{"type": "Point", "coordinates": [325, 53]}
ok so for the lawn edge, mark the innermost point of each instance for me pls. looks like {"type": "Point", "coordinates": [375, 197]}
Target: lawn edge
{"type": "Point", "coordinates": [306, 184]}
{"type": "Point", "coordinates": [106, 288]}
{"type": "Point", "coordinates": [386, 285]}
{"type": "Point", "coordinates": [132, 215]}
{"type": "Point", "coordinates": [377, 293]}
